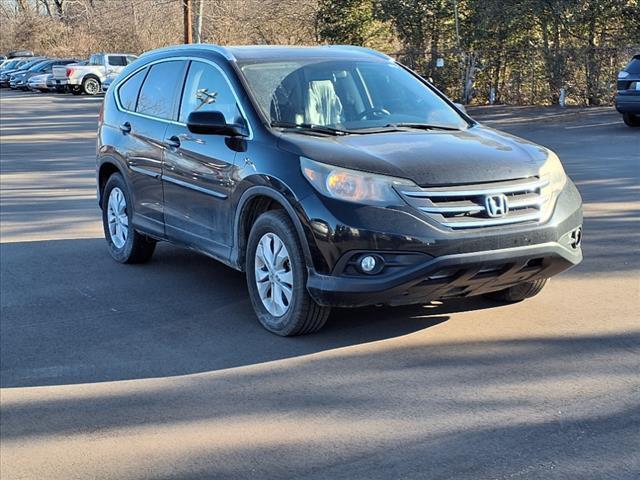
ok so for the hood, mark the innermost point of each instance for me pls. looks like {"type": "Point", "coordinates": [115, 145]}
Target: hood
{"type": "Point", "coordinates": [434, 157]}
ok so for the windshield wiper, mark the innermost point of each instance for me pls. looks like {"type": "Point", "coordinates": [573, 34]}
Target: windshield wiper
{"type": "Point", "coordinates": [421, 126]}
{"type": "Point", "coordinates": [310, 127]}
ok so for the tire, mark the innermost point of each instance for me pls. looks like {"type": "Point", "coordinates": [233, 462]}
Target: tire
{"type": "Point", "coordinates": [301, 314]}
{"type": "Point", "coordinates": [519, 292]}
{"type": "Point", "coordinates": [130, 247]}
{"type": "Point", "coordinates": [75, 89]}
{"type": "Point", "coordinates": [91, 86]}
{"type": "Point", "coordinates": [631, 120]}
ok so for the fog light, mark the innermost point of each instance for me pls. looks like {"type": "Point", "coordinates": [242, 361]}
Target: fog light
{"type": "Point", "coordinates": [370, 264]}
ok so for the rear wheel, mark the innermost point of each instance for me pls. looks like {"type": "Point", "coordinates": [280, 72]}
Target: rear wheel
{"type": "Point", "coordinates": [277, 277]}
{"type": "Point", "coordinates": [125, 244]}
{"type": "Point", "coordinates": [519, 292]}
{"type": "Point", "coordinates": [91, 86]}
{"type": "Point", "coordinates": [631, 119]}
{"type": "Point", "coordinates": [75, 89]}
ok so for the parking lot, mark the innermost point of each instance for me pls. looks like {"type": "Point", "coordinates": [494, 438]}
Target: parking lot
{"type": "Point", "coordinates": [162, 371]}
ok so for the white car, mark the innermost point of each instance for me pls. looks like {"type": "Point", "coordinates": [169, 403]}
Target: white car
{"type": "Point", "coordinates": [41, 83]}
{"type": "Point", "coordinates": [88, 78]}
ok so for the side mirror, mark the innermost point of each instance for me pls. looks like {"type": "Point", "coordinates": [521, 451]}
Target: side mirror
{"type": "Point", "coordinates": [460, 106]}
{"type": "Point", "coordinates": [212, 123]}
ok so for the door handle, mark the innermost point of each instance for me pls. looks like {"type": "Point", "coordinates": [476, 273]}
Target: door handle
{"type": "Point", "coordinates": [173, 142]}
{"type": "Point", "coordinates": [125, 128]}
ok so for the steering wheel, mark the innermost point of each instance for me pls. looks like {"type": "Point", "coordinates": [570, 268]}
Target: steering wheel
{"type": "Point", "coordinates": [374, 113]}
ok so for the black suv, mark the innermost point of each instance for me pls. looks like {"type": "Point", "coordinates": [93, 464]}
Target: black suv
{"type": "Point", "coordinates": [628, 93]}
{"type": "Point", "coordinates": [332, 176]}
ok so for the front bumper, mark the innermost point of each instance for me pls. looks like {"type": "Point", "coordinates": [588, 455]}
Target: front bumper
{"type": "Point", "coordinates": [431, 263]}
{"type": "Point", "coordinates": [449, 276]}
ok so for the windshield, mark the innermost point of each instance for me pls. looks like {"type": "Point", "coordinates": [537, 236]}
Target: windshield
{"type": "Point", "coordinates": [9, 65]}
{"type": "Point", "coordinates": [634, 65]}
{"type": "Point", "coordinates": [29, 64]}
{"type": "Point", "coordinates": [38, 66]}
{"type": "Point", "coordinates": [345, 94]}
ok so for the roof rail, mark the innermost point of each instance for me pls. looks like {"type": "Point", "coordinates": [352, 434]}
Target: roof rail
{"type": "Point", "coordinates": [356, 48]}
{"type": "Point", "coordinates": [207, 46]}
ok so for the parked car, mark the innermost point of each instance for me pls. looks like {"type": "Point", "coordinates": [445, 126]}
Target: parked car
{"type": "Point", "coordinates": [628, 92]}
{"type": "Point", "coordinates": [40, 83]}
{"type": "Point", "coordinates": [88, 78]}
{"type": "Point", "coordinates": [8, 64]}
{"type": "Point", "coordinates": [20, 54]}
{"type": "Point", "coordinates": [17, 78]}
{"type": "Point", "coordinates": [45, 66]}
{"type": "Point", "coordinates": [21, 66]}
{"type": "Point", "coordinates": [60, 75]}
{"type": "Point", "coordinates": [332, 176]}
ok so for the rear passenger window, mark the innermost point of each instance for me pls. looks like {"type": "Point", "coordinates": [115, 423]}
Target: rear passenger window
{"type": "Point", "coordinates": [158, 95]}
{"type": "Point", "coordinates": [128, 92]}
{"type": "Point", "coordinates": [117, 60]}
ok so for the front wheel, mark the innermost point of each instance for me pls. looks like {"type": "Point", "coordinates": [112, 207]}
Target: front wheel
{"type": "Point", "coordinates": [277, 277]}
{"type": "Point", "coordinates": [631, 119]}
{"type": "Point", "coordinates": [519, 292]}
{"type": "Point", "coordinates": [125, 244]}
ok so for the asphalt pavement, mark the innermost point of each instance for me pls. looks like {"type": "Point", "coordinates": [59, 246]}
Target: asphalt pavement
{"type": "Point", "coordinates": [111, 371]}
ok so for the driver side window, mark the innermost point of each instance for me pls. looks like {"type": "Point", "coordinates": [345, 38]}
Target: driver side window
{"type": "Point", "coordinates": [206, 89]}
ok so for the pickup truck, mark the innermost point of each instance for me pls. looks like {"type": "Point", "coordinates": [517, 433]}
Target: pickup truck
{"type": "Point", "coordinates": [88, 77]}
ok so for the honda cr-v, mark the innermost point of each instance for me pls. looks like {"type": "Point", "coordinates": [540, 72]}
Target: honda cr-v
{"type": "Point", "coordinates": [332, 176]}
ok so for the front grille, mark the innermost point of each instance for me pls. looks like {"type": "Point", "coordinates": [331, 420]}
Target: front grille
{"type": "Point", "coordinates": [464, 206]}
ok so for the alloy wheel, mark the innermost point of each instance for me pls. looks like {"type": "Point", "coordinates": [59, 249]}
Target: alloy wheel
{"type": "Point", "coordinates": [91, 86]}
{"type": "Point", "coordinates": [274, 277]}
{"type": "Point", "coordinates": [117, 218]}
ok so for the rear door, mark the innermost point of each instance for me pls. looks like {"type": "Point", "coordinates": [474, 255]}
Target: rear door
{"type": "Point", "coordinates": [198, 170]}
{"type": "Point", "coordinates": [149, 100]}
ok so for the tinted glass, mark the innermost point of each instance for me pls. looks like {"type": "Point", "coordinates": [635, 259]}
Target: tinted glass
{"type": "Point", "coordinates": [117, 60]}
{"type": "Point", "coordinates": [634, 66]}
{"type": "Point", "coordinates": [158, 95]}
{"type": "Point", "coordinates": [96, 60]}
{"type": "Point", "coordinates": [206, 89]}
{"type": "Point", "coordinates": [345, 94]}
{"type": "Point", "coordinates": [128, 92]}
{"type": "Point", "coordinates": [36, 67]}
{"type": "Point", "coordinates": [28, 65]}
{"type": "Point", "coordinates": [9, 65]}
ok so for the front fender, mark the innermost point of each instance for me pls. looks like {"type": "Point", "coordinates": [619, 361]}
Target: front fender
{"type": "Point", "coordinates": [268, 186]}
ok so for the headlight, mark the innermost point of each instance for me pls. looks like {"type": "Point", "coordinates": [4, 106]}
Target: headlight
{"type": "Point", "coordinates": [553, 173]}
{"type": "Point", "coordinates": [352, 185]}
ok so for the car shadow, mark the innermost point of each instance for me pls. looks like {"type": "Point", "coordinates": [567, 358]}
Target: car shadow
{"type": "Point", "coordinates": [70, 314]}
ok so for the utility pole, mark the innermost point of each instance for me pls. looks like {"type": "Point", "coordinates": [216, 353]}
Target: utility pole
{"type": "Point", "coordinates": [198, 32]}
{"type": "Point", "coordinates": [188, 26]}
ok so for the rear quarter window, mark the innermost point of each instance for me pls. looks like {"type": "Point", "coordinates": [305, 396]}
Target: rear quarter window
{"type": "Point", "coordinates": [129, 90]}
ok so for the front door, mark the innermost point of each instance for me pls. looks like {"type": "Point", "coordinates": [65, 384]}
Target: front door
{"type": "Point", "coordinates": [198, 169]}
